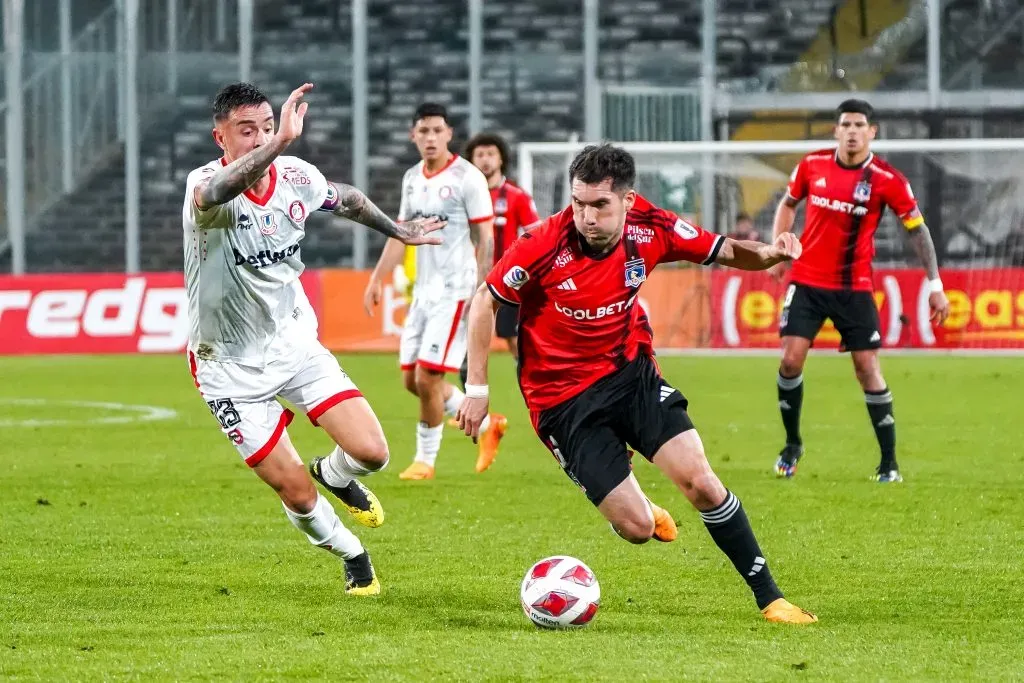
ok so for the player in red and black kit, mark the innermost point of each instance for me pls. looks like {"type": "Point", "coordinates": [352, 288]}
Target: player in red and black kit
{"type": "Point", "coordinates": [847, 190]}
{"type": "Point", "coordinates": [585, 357]}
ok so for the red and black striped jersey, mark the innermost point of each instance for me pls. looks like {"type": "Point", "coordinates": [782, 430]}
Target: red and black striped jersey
{"type": "Point", "coordinates": [579, 319]}
{"type": "Point", "coordinates": [844, 206]}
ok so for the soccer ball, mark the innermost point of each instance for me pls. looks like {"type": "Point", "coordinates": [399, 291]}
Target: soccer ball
{"type": "Point", "coordinates": [560, 592]}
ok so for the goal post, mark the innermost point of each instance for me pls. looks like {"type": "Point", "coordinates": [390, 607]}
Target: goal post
{"type": "Point", "coordinates": [971, 192]}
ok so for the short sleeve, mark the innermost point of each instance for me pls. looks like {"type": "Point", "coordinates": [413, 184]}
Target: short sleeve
{"type": "Point", "coordinates": [403, 207]}
{"type": "Point", "coordinates": [318, 189]}
{"type": "Point", "coordinates": [797, 187]}
{"type": "Point", "coordinates": [519, 269]}
{"type": "Point", "coordinates": [476, 196]}
{"type": "Point", "coordinates": [215, 217]}
{"type": "Point", "coordinates": [684, 241]}
{"type": "Point", "coordinates": [900, 199]}
{"type": "Point", "coordinates": [527, 211]}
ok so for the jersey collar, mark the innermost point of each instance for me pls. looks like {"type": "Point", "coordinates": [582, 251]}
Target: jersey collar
{"type": "Point", "coordinates": [261, 200]}
{"type": "Point", "coordinates": [863, 164]}
{"type": "Point", "coordinates": [428, 175]}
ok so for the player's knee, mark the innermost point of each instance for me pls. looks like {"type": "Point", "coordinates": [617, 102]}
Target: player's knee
{"type": "Point", "coordinates": [792, 363]}
{"type": "Point", "coordinates": [868, 372]}
{"type": "Point", "coordinates": [427, 382]}
{"type": "Point", "coordinates": [372, 453]}
{"type": "Point", "coordinates": [409, 380]}
{"type": "Point", "coordinates": [637, 530]}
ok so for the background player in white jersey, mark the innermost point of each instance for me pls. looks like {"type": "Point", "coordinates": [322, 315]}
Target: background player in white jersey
{"type": "Point", "coordinates": [253, 332]}
{"type": "Point", "coordinates": [433, 340]}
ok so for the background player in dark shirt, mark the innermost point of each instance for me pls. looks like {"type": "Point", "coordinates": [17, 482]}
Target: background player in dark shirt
{"type": "Point", "coordinates": [586, 361]}
{"type": "Point", "coordinates": [847, 190]}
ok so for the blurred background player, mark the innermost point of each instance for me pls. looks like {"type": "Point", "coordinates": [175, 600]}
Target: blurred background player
{"type": "Point", "coordinates": [514, 213]}
{"type": "Point", "coordinates": [433, 339]}
{"type": "Point", "coordinates": [587, 370]}
{"type": "Point", "coordinates": [847, 189]}
{"type": "Point", "coordinates": [253, 333]}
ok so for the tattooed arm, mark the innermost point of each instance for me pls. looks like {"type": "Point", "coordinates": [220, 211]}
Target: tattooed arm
{"type": "Point", "coordinates": [938, 303]}
{"type": "Point", "coordinates": [349, 202]}
{"type": "Point", "coordinates": [238, 176]}
{"type": "Point", "coordinates": [482, 236]}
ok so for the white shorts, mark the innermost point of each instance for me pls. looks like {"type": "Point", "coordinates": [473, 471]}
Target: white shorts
{"type": "Point", "coordinates": [244, 399]}
{"type": "Point", "coordinates": [434, 336]}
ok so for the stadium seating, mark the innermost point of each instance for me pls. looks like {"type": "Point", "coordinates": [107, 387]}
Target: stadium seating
{"type": "Point", "coordinates": [532, 87]}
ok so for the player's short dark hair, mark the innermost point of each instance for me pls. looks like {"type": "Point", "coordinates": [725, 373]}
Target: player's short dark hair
{"type": "Point", "coordinates": [236, 95]}
{"type": "Point", "coordinates": [428, 109]}
{"type": "Point", "coordinates": [853, 106]}
{"type": "Point", "coordinates": [599, 162]}
{"type": "Point", "coordinates": [488, 140]}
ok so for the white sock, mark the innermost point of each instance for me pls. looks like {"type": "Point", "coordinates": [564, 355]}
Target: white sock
{"type": "Point", "coordinates": [453, 402]}
{"type": "Point", "coordinates": [324, 530]}
{"type": "Point", "coordinates": [486, 423]}
{"type": "Point", "coordinates": [339, 468]}
{"type": "Point", "coordinates": [428, 443]}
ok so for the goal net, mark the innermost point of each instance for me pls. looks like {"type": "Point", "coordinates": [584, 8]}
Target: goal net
{"type": "Point", "coordinates": [971, 192]}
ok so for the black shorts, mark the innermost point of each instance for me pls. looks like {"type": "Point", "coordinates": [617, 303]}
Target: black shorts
{"type": "Point", "coordinates": [853, 313]}
{"type": "Point", "coordinates": [506, 321]}
{"type": "Point", "coordinates": [589, 433]}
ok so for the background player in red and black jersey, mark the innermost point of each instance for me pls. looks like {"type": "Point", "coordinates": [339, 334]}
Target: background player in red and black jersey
{"type": "Point", "coordinates": [847, 190]}
{"type": "Point", "coordinates": [514, 213]}
{"type": "Point", "coordinates": [585, 357]}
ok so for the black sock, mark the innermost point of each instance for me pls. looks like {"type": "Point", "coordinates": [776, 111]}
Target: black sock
{"type": "Point", "coordinates": [464, 372]}
{"type": "Point", "coordinates": [880, 410]}
{"type": "Point", "coordinates": [730, 529]}
{"type": "Point", "coordinates": [791, 398]}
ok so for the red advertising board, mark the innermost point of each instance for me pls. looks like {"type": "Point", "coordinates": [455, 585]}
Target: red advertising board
{"type": "Point", "coordinates": [102, 313]}
{"type": "Point", "coordinates": [986, 310]}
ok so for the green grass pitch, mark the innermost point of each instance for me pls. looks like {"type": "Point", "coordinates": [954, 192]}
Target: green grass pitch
{"type": "Point", "coordinates": [147, 551]}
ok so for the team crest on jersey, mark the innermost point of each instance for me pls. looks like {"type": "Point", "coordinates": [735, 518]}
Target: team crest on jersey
{"type": "Point", "coordinates": [685, 230]}
{"type": "Point", "coordinates": [268, 224]}
{"type": "Point", "coordinates": [862, 192]}
{"type": "Point", "coordinates": [516, 277]}
{"type": "Point", "coordinates": [636, 272]}
{"type": "Point", "coordinates": [244, 222]}
{"type": "Point", "coordinates": [297, 211]}
{"type": "Point", "coordinates": [445, 192]}
{"type": "Point", "coordinates": [500, 205]}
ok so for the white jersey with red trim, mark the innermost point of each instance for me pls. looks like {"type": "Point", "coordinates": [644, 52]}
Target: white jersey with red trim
{"type": "Point", "coordinates": [458, 193]}
{"type": "Point", "coordinates": [242, 264]}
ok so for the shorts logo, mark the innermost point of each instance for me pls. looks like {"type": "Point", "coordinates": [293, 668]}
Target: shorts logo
{"type": "Point", "coordinates": [268, 224]}
{"type": "Point", "coordinates": [685, 230]}
{"type": "Point", "coordinates": [636, 272]}
{"type": "Point", "coordinates": [516, 277]}
{"type": "Point", "coordinates": [297, 211]}
{"type": "Point", "coordinates": [862, 192]}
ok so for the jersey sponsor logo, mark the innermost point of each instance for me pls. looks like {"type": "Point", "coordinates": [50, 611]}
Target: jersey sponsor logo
{"type": "Point", "coordinates": [516, 277]}
{"type": "Point", "coordinates": [264, 257]}
{"type": "Point", "coordinates": [640, 234]}
{"type": "Point", "coordinates": [244, 222]}
{"type": "Point", "coordinates": [685, 230]}
{"type": "Point", "coordinates": [268, 224]}
{"type": "Point", "coordinates": [636, 272]}
{"type": "Point", "coordinates": [595, 313]}
{"type": "Point", "coordinates": [564, 258]}
{"type": "Point", "coordinates": [862, 192]}
{"type": "Point", "coordinates": [297, 211]}
{"type": "Point", "coordinates": [836, 205]}
{"type": "Point", "coordinates": [294, 176]}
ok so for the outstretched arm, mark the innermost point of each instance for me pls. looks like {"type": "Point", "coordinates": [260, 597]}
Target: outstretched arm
{"type": "Point", "coordinates": [481, 325]}
{"type": "Point", "coordinates": [748, 255]}
{"type": "Point", "coordinates": [352, 204]}
{"type": "Point", "coordinates": [921, 241]}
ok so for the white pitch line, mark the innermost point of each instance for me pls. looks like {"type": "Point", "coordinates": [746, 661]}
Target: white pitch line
{"type": "Point", "coordinates": [138, 413]}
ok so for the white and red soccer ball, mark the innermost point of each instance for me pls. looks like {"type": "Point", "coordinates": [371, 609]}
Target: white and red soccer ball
{"type": "Point", "coordinates": [560, 592]}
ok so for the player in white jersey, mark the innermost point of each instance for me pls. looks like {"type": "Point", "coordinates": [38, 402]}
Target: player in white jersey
{"type": "Point", "coordinates": [253, 335]}
{"type": "Point", "coordinates": [434, 340]}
